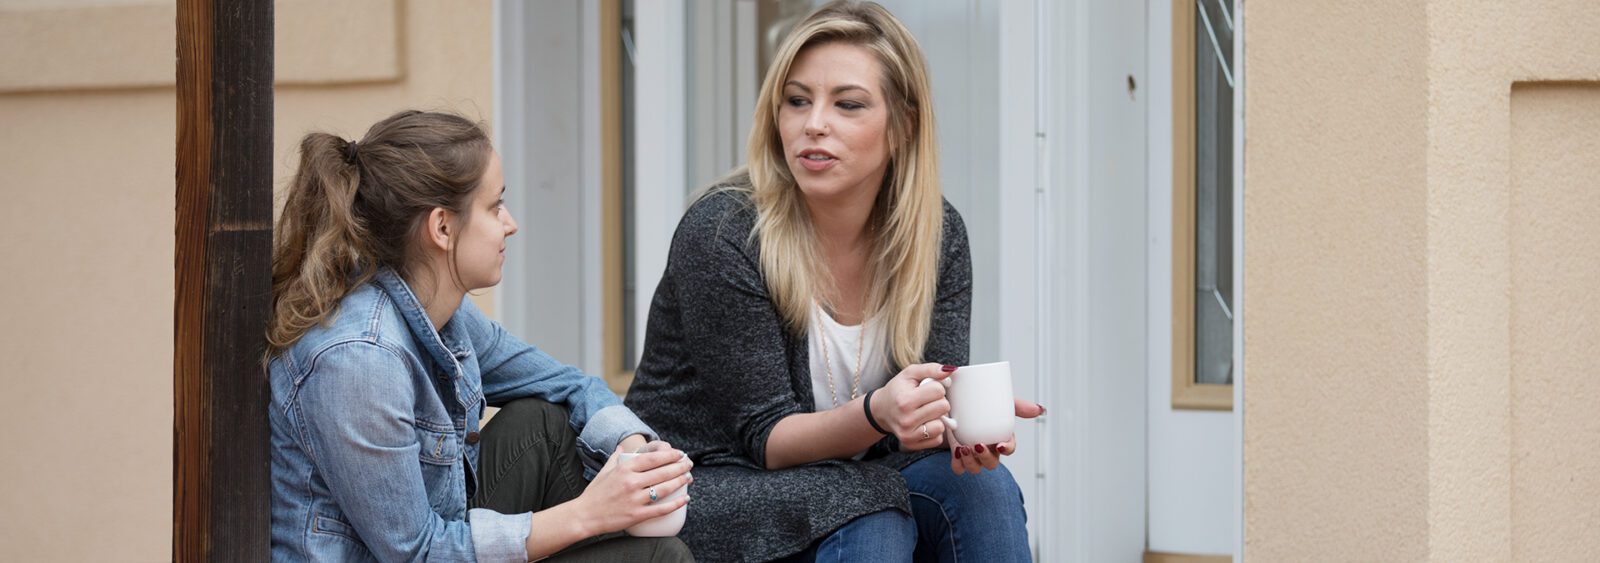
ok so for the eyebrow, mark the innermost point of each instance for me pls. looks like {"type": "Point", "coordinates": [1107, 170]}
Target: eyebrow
{"type": "Point", "coordinates": [836, 89]}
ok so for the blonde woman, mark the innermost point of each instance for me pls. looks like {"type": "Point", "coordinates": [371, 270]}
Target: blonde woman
{"type": "Point", "coordinates": [804, 300]}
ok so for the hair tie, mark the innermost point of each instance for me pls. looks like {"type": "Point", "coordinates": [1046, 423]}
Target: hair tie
{"type": "Point", "coordinates": [350, 154]}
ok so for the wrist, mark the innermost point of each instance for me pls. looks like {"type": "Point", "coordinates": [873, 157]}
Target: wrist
{"type": "Point", "coordinates": [633, 443]}
{"type": "Point", "coordinates": [555, 528]}
{"type": "Point", "coordinates": [872, 419]}
{"type": "Point", "coordinates": [582, 522]}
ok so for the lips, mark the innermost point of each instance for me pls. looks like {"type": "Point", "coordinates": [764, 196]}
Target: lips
{"type": "Point", "coordinates": [816, 160]}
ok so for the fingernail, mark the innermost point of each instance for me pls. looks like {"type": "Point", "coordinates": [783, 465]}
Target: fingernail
{"type": "Point", "coordinates": [1000, 448]}
{"type": "Point", "coordinates": [965, 451]}
{"type": "Point", "coordinates": [958, 452]}
{"type": "Point", "coordinates": [978, 448]}
{"type": "Point", "coordinates": [947, 368]}
{"type": "Point", "coordinates": [1043, 410]}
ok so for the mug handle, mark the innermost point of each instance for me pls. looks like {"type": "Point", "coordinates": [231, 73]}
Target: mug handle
{"type": "Point", "coordinates": [948, 422]}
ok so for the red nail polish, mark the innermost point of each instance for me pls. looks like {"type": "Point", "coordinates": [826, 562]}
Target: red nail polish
{"type": "Point", "coordinates": [957, 453]}
{"type": "Point", "coordinates": [978, 448]}
{"type": "Point", "coordinates": [1000, 448]}
{"type": "Point", "coordinates": [947, 368]}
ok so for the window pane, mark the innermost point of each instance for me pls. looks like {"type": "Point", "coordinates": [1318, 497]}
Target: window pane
{"type": "Point", "coordinates": [1213, 291]}
{"type": "Point", "coordinates": [630, 317]}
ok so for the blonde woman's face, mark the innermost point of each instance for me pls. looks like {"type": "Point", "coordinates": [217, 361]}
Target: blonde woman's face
{"type": "Point", "coordinates": [834, 123]}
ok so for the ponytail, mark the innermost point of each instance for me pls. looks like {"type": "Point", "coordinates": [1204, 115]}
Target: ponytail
{"type": "Point", "coordinates": [318, 255]}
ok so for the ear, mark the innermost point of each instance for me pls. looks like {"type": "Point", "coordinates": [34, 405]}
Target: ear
{"type": "Point", "coordinates": [437, 231]}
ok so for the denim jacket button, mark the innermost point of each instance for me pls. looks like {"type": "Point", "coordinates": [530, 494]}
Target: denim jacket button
{"type": "Point", "coordinates": [472, 438]}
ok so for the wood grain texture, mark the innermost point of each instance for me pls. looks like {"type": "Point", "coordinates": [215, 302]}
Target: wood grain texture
{"type": "Point", "coordinates": [223, 281]}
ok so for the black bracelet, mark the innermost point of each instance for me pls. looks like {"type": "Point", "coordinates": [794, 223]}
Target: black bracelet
{"type": "Point", "coordinates": [866, 405]}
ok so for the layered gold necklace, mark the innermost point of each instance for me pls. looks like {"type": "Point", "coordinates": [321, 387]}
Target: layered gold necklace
{"type": "Point", "coordinates": [855, 382]}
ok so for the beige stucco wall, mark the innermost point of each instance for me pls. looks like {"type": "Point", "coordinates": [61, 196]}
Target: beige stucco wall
{"type": "Point", "coordinates": [1420, 264]}
{"type": "Point", "coordinates": [1335, 280]}
{"type": "Point", "coordinates": [1555, 322]}
{"type": "Point", "coordinates": [87, 232]}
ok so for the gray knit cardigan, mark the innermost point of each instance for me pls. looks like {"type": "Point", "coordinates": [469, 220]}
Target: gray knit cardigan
{"type": "Point", "coordinates": [720, 368]}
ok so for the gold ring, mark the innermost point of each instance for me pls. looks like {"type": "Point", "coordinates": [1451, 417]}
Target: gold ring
{"type": "Point", "coordinates": [925, 431]}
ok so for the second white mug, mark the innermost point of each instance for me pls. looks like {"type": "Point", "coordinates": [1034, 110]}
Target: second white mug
{"type": "Point", "coordinates": [982, 410]}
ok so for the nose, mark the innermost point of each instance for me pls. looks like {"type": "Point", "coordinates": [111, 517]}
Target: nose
{"type": "Point", "coordinates": [816, 122]}
{"type": "Point", "coordinates": [511, 225]}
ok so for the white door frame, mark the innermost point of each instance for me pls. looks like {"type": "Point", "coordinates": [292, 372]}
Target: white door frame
{"type": "Point", "coordinates": [546, 66]}
{"type": "Point", "coordinates": [1238, 278]}
{"type": "Point", "coordinates": [1064, 268]}
{"type": "Point", "coordinates": [1023, 262]}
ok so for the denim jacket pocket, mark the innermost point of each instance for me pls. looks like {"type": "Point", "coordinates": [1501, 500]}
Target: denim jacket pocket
{"type": "Point", "coordinates": [440, 455]}
{"type": "Point", "coordinates": [437, 448]}
{"type": "Point", "coordinates": [330, 525]}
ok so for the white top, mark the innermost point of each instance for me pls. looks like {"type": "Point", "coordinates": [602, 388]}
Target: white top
{"type": "Point", "coordinates": [842, 343]}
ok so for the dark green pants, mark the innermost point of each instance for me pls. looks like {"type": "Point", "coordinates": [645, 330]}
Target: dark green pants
{"type": "Point", "coordinates": [528, 461]}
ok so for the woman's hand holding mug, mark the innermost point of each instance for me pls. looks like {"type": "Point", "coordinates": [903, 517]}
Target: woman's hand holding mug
{"type": "Point", "coordinates": [911, 411]}
{"type": "Point", "coordinates": [979, 457]}
{"type": "Point", "coordinates": [620, 494]}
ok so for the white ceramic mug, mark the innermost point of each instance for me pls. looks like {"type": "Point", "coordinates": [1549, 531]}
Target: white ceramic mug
{"type": "Point", "coordinates": [661, 526]}
{"type": "Point", "coordinates": [981, 407]}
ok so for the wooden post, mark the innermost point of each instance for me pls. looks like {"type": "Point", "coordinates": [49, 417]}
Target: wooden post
{"type": "Point", "coordinates": [220, 495]}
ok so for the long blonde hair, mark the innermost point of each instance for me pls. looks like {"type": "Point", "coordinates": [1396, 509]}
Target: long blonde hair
{"type": "Point", "coordinates": [907, 219]}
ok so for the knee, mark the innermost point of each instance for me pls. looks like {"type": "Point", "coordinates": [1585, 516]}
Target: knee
{"type": "Point", "coordinates": [995, 487]}
{"type": "Point", "coordinates": [534, 413]}
{"type": "Point", "coordinates": [885, 524]}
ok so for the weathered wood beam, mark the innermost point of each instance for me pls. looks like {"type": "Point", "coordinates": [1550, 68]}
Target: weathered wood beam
{"type": "Point", "coordinates": [223, 280]}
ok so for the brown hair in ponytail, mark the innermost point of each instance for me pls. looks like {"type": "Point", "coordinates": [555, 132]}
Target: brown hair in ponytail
{"type": "Point", "coordinates": [356, 206]}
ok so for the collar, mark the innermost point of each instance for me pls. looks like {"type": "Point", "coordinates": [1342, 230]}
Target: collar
{"type": "Point", "coordinates": [446, 346]}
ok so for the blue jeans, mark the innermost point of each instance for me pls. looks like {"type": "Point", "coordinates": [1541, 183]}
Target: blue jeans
{"type": "Point", "coordinates": [966, 517]}
{"type": "Point", "coordinates": [955, 518]}
{"type": "Point", "coordinates": [880, 537]}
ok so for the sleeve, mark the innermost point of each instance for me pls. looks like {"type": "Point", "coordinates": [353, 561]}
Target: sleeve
{"type": "Point", "coordinates": [950, 330]}
{"type": "Point", "coordinates": [731, 330]}
{"type": "Point", "coordinates": [357, 405]}
{"type": "Point", "coordinates": [513, 369]}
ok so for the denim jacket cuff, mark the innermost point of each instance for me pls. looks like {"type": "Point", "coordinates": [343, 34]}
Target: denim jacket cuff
{"type": "Point", "coordinates": [499, 537]}
{"type": "Point", "coordinates": [604, 431]}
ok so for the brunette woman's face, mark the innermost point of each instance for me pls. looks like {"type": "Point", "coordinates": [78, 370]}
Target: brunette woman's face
{"type": "Point", "coordinates": [481, 245]}
{"type": "Point", "coordinates": [834, 122]}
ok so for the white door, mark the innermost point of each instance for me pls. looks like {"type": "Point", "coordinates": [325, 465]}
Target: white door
{"type": "Point", "coordinates": [1043, 138]}
{"type": "Point", "coordinates": [1097, 140]}
{"type": "Point", "coordinates": [1192, 454]}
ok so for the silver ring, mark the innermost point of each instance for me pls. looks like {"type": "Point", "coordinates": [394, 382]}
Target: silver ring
{"type": "Point", "coordinates": [925, 431]}
{"type": "Point", "coordinates": [652, 494]}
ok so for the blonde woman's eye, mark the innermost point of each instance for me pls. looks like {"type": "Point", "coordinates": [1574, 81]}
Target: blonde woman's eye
{"type": "Point", "coordinates": [797, 101]}
{"type": "Point", "coordinates": [852, 106]}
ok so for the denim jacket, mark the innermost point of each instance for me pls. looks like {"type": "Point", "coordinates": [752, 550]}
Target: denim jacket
{"type": "Point", "coordinates": [374, 421]}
